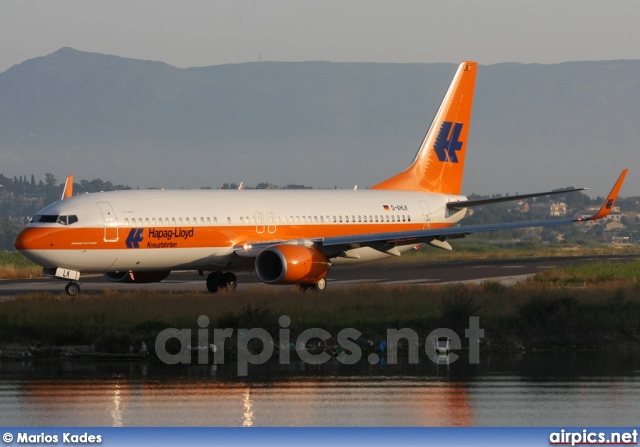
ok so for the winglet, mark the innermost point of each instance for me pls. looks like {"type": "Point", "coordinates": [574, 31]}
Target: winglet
{"type": "Point", "coordinates": [68, 188]}
{"type": "Point", "coordinates": [607, 206]}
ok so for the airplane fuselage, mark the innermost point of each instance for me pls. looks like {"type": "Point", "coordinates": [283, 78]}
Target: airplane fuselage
{"type": "Point", "coordinates": [201, 229]}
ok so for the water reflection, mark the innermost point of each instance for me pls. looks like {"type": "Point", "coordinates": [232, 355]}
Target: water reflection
{"type": "Point", "coordinates": [248, 413]}
{"type": "Point", "coordinates": [116, 412]}
{"type": "Point", "coordinates": [530, 390]}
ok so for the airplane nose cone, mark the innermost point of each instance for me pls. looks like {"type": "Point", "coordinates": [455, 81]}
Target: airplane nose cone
{"type": "Point", "coordinates": [23, 240]}
{"type": "Point", "coordinates": [30, 242]}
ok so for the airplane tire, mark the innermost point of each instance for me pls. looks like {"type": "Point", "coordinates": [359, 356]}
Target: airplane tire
{"type": "Point", "coordinates": [214, 279]}
{"type": "Point", "coordinates": [72, 289]}
{"type": "Point", "coordinates": [315, 287]}
{"type": "Point", "coordinates": [230, 282]}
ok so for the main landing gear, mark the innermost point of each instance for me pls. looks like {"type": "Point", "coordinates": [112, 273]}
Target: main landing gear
{"type": "Point", "coordinates": [315, 287]}
{"type": "Point", "coordinates": [218, 281]}
{"type": "Point", "coordinates": [227, 282]}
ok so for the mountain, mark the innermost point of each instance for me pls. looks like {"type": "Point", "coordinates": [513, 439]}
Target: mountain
{"type": "Point", "coordinates": [147, 123]}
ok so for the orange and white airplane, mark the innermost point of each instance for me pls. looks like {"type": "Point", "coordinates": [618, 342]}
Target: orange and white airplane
{"type": "Point", "coordinates": [286, 237]}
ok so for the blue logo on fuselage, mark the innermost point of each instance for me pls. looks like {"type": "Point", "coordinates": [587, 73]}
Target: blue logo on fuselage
{"type": "Point", "coordinates": [135, 237]}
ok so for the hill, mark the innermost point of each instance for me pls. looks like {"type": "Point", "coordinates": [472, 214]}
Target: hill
{"type": "Point", "coordinates": [324, 124]}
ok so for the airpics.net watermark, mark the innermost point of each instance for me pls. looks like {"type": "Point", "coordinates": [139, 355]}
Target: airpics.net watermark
{"type": "Point", "coordinates": [350, 351]}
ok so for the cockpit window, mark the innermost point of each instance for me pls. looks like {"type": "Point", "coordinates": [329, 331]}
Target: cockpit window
{"type": "Point", "coordinates": [49, 218]}
{"type": "Point", "coordinates": [44, 218]}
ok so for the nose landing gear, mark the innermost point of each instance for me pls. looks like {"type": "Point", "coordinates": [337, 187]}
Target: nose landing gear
{"type": "Point", "coordinates": [72, 288]}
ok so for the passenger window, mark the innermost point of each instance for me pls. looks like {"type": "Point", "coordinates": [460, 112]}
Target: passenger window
{"type": "Point", "coordinates": [408, 218]}
{"type": "Point", "coordinates": [228, 220]}
{"type": "Point", "coordinates": [359, 218]}
{"type": "Point", "coordinates": [334, 219]}
{"type": "Point", "coordinates": [340, 218]}
{"type": "Point", "coordinates": [346, 218]}
{"type": "Point", "coordinates": [180, 220]}
{"type": "Point", "coordinates": [387, 219]}
{"type": "Point", "coordinates": [241, 220]}
{"type": "Point", "coordinates": [146, 221]}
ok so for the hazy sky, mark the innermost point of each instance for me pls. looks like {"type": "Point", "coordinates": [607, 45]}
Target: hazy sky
{"type": "Point", "coordinates": [189, 33]}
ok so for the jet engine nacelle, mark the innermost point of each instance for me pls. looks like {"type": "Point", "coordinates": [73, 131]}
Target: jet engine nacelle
{"type": "Point", "coordinates": [136, 277]}
{"type": "Point", "coordinates": [291, 264]}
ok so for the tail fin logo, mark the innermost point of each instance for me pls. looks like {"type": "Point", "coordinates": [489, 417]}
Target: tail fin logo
{"type": "Point", "coordinates": [447, 142]}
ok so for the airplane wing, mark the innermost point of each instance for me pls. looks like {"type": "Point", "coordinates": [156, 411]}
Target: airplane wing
{"type": "Point", "coordinates": [479, 202]}
{"type": "Point", "coordinates": [332, 246]}
{"type": "Point", "coordinates": [441, 234]}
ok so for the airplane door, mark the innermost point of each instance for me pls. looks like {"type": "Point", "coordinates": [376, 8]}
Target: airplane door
{"type": "Point", "coordinates": [110, 222]}
{"type": "Point", "coordinates": [426, 215]}
{"type": "Point", "coordinates": [259, 223]}
{"type": "Point", "coordinates": [271, 222]}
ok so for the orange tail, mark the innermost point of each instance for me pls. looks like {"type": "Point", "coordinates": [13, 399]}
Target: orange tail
{"type": "Point", "coordinates": [439, 164]}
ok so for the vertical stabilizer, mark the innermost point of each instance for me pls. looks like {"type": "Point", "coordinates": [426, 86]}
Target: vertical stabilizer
{"type": "Point", "coordinates": [439, 164]}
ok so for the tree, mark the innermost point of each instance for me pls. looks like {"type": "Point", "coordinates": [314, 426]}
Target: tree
{"type": "Point", "coordinates": [50, 180]}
